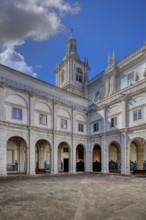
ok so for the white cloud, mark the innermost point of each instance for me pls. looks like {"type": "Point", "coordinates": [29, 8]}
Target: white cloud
{"type": "Point", "coordinates": [35, 19]}
{"type": "Point", "coordinates": [16, 61]}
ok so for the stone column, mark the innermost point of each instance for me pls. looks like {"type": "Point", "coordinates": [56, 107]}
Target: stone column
{"type": "Point", "coordinates": [104, 150]}
{"type": "Point", "coordinates": [125, 158]}
{"type": "Point", "coordinates": [88, 161]}
{"type": "Point", "coordinates": [54, 152]}
{"type": "Point", "coordinates": [71, 155]}
{"type": "Point", "coordinates": [31, 155]}
{"type": "Point", "coordinates": [71, 160]}
{"type": "Point", "coordinates": [105, 158]}
{"type": "Point", "coordinates": [52, 164]}
{"type": "Point", "coordinates": [3, 154]}
{"type": "Point", "coordinates": [125, 161]}
{"type": "Point", "coordinates": [91, 159]}
{"type": "Point", "coordinates": [55, 161]}
{"type": "Point", "coordinates": [74, 159]}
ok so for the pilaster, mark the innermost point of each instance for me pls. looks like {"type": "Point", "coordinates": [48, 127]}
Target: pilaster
{"type": "Point", "coordinates": [3, 149]}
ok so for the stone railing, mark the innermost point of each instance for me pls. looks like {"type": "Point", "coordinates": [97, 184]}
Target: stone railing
{"type": "Point", "coordinates": [136, 50]}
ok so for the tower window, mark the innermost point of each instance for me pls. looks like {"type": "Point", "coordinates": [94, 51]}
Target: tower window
{"type": "Point", "coordinates": [79, 75]}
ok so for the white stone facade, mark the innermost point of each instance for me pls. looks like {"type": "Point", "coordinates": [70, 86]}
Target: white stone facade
{"type": "Point", "coordinates": [96, 125]}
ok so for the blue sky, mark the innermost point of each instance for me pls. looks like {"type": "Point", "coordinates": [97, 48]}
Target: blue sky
{"type": "Point", "coordinates": [100, 27]}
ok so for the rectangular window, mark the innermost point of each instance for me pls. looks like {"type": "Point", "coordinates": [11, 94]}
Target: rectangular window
{"type": "Point", "coordinates": [65, 150]}
{"type": "Point", "coordinates": [43, 119]}
{"type": "Point", "coordinates": [113, 122]}
{"type": "Point", "coordinates": [124, 82]}
{"type": "Point", "coordinates": [63, 124]}
{"type": "Point", "coordinates": [137, 114]}
{"type": "Point", "coordinates": [17, 113]}
{"type": "Point", "coordinates": [130, 78]}
{"type": "Point", "coordinates": [96, 127]}
{"type": "Point", "coordinates": [80, 127]}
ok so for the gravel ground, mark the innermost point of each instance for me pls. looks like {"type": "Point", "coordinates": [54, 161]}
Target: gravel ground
{"type": "Point", "coordinates": [73, 197]}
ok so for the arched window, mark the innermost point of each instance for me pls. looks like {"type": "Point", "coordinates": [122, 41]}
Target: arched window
{"type": "Point", "coordinates": [62, 76]}
{"type": "Point", "coordinates": [79, 75]}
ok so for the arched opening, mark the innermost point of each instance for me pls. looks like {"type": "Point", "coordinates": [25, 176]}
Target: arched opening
{"type": "Point", "coordinates": [80, 155]}
{"type": "Point", "coordinates": [79, 75]}
{"type": "Point", "coordinates": [43, 156]}
{"type": "Point", "coordinates": [114, 157]}
{"type": "Point", "coordinates": [138, 155]}
{"type": "Point", "coordinates": [16, 155]}
{"type": "Point", "coordinates": [97, 158]}
{"type": "Point", "coordinates": [63, 157]}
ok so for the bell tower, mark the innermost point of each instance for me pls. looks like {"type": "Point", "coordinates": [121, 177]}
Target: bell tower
{"type": "Point", "coordinates": [72, 73]}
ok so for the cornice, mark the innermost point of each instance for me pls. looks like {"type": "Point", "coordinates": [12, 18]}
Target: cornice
{"type": "Point", "coordinates": [118, 96]}
{"type": "Point", "coordinates": [19, 86]}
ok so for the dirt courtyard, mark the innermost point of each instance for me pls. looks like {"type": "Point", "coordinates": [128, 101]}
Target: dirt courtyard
{"type": "Point", "coordinates": [73, 197]}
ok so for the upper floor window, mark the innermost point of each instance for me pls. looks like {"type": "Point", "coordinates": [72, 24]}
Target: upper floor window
{"type": "Point", "coordinates": [137, 114]}
{"type": "Point", "coordinates": [43, 119]}
{"type": "Point", "coordinates": [17, 113]}
{"type": "Point", "coordinates": [96, 127]}
{"type": "Point", "coordinates": [80, 127]}
{"type": "Point", "coordinates": [79, 75]}
{"type": "Point", "coordinates": [63, 124]}
{"type": "Point", "coordinates": [127, 80]}
{"type": "Point", "coordinates": [113, 122]}
{"type": "Point", "coordinates": [130, 78]}
{"type": "Point", "coordinates": [65, 150]}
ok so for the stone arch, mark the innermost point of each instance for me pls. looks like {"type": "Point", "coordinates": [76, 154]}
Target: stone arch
{"type": "Point", "coordinates": [16, 108]}
{"type": "Point", "coordinates": [63, 120]}
{"type": "Point", "coordinates": [43, 106]}
{"type": "Point", "coordinates": [80, 157]}
{"type": "Point", "coordinates": [43, 114]}
{"type": "Point", "coordinates": [42, 156]}
{"type": "Point", "coordinates": [16, 99]}
{"type": "Point", "coordinates": [64, 112]}
{"type": "Point", "coordinates": [96, 157]}
{"type": "Point", "coordinates": [63, 157]}
{"type": "Point", "coordinates": [79, 75]}
{"type": "Point", "coordinates": [80, 117]}
{"type": "Point", "coordinates": [16, 155]}
{"type": "Point", "coordinates": [137, 154]}
{"type": "Point", "coordinates": [114, 149]}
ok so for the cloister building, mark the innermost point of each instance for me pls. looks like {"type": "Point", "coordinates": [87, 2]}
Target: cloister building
{"type": "Point", "coordinates": [96, 125]}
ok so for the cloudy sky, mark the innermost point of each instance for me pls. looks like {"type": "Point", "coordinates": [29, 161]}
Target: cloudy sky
{"type": "Point", "coordinates": [34, 32]}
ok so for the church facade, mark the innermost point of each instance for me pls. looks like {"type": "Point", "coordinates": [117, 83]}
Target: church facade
{"type": "Point", "coordinates": [79, 125]}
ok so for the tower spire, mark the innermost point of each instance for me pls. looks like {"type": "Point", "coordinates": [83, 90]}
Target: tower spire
{"type": "Point", "coordinates": [114, 58]}
{"type": "Point", "coordinates": [72, 47]}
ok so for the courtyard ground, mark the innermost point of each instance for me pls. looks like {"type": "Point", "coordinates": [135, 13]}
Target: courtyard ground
{"type": "Point", "coordinates": [73, 197]}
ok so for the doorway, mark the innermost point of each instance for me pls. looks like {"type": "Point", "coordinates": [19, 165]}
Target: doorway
{"type": "Point", "coordinates": [66, 164]}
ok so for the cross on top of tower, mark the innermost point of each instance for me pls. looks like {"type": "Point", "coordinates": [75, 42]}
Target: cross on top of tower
{"type": "Point", "coordinates": [71, 30]}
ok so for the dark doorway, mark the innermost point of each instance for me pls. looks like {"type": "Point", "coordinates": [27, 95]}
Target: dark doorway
{"type": "Point", "coordinates": [66, 165]}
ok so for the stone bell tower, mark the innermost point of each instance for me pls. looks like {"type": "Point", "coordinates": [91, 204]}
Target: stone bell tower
{"type": "Point", "coordinates": [72, 73]}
